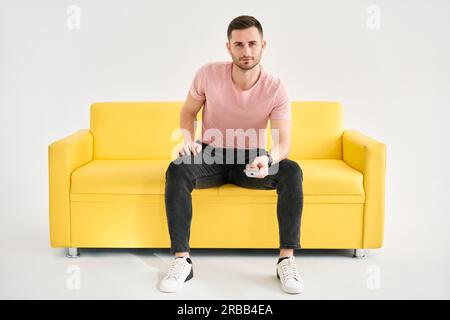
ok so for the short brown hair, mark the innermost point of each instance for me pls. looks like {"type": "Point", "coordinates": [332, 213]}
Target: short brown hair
{"type": "Point", "coordinates": [243, 22]}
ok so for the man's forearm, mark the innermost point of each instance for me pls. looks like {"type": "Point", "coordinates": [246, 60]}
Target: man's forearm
{"type": "Point", "coordinates": [279, 152]}
{"type": "Point", "coordinates": [188, 125]}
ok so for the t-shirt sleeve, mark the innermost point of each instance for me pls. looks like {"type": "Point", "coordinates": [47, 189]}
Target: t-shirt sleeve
{"type": "Point", "coordinates": [282, 105]}
{"type": "Point", "coordinates": [198, 84]}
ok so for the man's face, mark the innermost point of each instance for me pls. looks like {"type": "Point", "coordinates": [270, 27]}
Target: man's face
{"type": "Point", "coordinates": [246, 47]}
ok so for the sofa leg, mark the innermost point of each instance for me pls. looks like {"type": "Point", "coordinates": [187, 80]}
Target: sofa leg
{"type": "Point", "coordinates": [73, 252]}
{"type": "Point", "coordinates": [359, 253]}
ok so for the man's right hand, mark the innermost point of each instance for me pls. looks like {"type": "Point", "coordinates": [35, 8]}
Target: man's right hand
{"type": "Point", "coordinates": [190, 148]}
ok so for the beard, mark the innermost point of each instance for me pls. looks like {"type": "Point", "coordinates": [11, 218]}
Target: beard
{"type": "Point", "coordinates": [243, 65]}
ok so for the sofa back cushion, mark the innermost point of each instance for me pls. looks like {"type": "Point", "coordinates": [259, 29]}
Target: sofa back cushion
{"type": "Point", "coordinates": [317, 129]}
{"type": "Point", "coordinates": [134, 130]}
{"type": "Point", "coordinates": [144, 130]}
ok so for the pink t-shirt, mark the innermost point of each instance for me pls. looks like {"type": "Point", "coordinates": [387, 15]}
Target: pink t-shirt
{"type": "Point", "coordinates": [244, 113]}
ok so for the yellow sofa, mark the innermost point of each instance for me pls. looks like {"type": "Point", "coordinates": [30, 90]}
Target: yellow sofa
{"type": "Point", "coordinates": [106, 184]}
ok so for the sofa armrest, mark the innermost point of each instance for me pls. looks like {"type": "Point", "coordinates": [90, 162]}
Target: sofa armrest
{"type": "Point", "coordinates": [368, 156]}
{"type": "Point", "coordinates": [64, 156]}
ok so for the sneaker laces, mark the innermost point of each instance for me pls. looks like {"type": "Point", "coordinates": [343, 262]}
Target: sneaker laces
{"type": "Point", "coordinates": [176, 268]}
{"type": "Point", "coordinates": [289, 269]}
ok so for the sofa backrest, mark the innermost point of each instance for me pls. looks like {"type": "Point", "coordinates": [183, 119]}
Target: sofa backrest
{"type": "Point", "coordinates": [143, 130]}
{"type": "Point", "coordinates": [134, 130]}
{"type": "Point", "coordinates": [317, 129]}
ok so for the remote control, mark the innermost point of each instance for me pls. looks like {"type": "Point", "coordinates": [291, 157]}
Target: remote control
{"type": "Point", "coordinates": [251, 172]}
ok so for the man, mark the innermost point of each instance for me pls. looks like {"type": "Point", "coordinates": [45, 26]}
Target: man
{"type": "Point", "coordinates": [237, 95]}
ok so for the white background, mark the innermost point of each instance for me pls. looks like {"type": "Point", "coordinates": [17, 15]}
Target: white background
{"type": "Point", "coordinates": [393, 82]}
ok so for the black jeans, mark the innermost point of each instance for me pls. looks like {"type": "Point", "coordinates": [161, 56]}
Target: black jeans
{"type": "Point", "coordinates": [217, 166]}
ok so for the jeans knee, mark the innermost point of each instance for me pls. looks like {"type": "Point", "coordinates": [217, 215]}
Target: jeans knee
{"type": "Point", "coordinates": [176, 171]}
{"type": "Point", "coordinates": [292, 169]}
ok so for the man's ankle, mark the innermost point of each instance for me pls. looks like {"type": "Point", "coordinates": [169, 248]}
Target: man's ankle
{"type": "Point", "coordinates": [182, 254]}
{"type": "Point", "coordinates": [286, 253]}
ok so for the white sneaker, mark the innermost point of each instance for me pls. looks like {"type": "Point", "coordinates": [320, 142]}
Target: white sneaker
{"type": "Point", "coordinates": [180, 271]}
{"type": "Point", "coordinates": [287, 272]}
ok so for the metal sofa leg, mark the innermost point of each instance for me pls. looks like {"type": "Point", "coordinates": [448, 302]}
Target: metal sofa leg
{"type": "Point", "coordinates": [73, 252]}
{"type": "Point", "coordinates": [359, 253]}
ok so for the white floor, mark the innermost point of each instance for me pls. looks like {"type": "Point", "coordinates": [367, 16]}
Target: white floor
{"type": "Point", "coordinates": [30, 269]}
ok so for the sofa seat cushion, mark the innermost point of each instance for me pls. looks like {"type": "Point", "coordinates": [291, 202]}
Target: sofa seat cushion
{"type": "Point", "coordinates": [123, 177]}
{"type": "Point", "coordinates": [324, 180]}
{"type": "Point", "coordinates": [330, 176]}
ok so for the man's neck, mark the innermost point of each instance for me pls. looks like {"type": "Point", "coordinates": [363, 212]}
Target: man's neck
{"type": "Point", "coordinates": [245, 79]}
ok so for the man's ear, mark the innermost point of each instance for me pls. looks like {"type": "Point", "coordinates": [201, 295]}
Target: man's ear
{"type": "Point", "coordinates": [263, 44]}
{"type": "Point", "coordinates": [227, 44]}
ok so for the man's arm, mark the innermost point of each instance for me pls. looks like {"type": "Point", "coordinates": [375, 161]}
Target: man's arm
{"type": "Point", "coordinates": [281, 145]}
{"type": "Point", "coordinates": [188, 116]}
{"type": "Point", "coordinates": [281, 139]}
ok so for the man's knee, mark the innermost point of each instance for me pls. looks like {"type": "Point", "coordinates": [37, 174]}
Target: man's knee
{"type": "Point", "coordinates": [176, 170]}
{"type": "Point", "coordinates": [291, 168]}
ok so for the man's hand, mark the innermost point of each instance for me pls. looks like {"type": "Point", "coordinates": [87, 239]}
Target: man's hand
{"type": "Point", "coordinates": [262, 163]}
{"type": "Point", "coordinates": [190, 147]}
